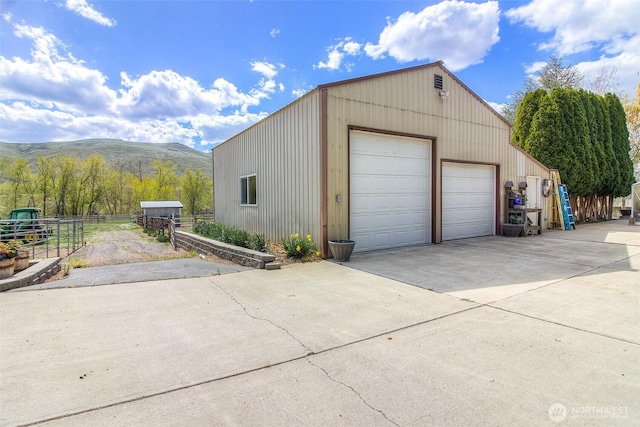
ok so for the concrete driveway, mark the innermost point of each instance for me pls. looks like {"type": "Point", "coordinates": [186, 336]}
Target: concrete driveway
{"type": "Point", "coordinates": [542, 330]}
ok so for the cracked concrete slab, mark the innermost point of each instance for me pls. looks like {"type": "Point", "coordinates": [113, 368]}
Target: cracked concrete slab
{"type": "Point", "coordinates": [480, 367]}
{"type": "Point", "coordinates": [326, 305]}
{"type": "Point", "coordinates": [72, 349]}
{"type": "Point", "coordinates": [92, 347]}
{"type": "Point", "coordinates": [292, 394]}
{"type": "Point", "coordinates": [489, 367]}
{"type": "Point", "coordinates": [326, 344]}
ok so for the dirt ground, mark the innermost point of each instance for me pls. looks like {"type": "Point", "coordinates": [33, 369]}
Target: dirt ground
{"type": "Point", "coordinates": [126, 246]}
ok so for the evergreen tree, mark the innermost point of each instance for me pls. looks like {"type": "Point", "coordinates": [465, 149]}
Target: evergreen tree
{"type": "Point", "coordinates": [621, 145]}
{"type": "Point", "coordinates": [524, 116]}
{"type": "Point", "coordinates": [578, 123]}
{"type": "Point", "coordinates": [546, 138]}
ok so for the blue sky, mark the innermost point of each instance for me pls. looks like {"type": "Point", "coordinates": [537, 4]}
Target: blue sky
{"type": "Point", "coordinates": [198, 72]}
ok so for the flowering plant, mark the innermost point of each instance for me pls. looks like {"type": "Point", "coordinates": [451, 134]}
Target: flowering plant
{"type": "Point", "coordinates": [9, 249]}
{"type": "Point", "coordinates": [296, 246]}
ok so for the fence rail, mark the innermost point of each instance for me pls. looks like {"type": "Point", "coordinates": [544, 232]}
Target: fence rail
{"type": "Point", "coordinates": [184, 223]}
{"type": "Point", "coordinates": [45, 237]}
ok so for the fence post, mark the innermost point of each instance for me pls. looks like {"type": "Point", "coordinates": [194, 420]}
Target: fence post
{"type": "Point", "coordinates": [58, 235]}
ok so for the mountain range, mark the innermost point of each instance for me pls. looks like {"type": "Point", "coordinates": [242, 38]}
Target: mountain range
{"type": "Point", "coordinates": [113, 151]}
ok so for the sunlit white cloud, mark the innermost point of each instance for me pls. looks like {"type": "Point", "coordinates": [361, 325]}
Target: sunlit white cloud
{"type": "Point", "coordinates": [54, 94]}
{"type": "Point", "coordinates": [274, 32]}
{"type": "Point", "coordinates": [579, 25]}
{"type": "Point", "coordinates": [84, 9]}
{"type": "Point", "coordinates": [611, 30]}
{"type": "Point", "coordinates": [51, 77]}
{"type": "Point", "coordinates": [337, 53]}
{"type": "Point", "coordinates": [266, 69]}
{"type": "Point", "coordinates": [459, 33]}
{"type": "Point", "coordinates": [297, 93]}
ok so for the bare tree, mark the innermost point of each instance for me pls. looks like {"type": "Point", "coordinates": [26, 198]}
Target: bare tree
{"type": "Point", "coordinates": [553, 74]}
{"type": "Point", "coordinates": [605, 81]}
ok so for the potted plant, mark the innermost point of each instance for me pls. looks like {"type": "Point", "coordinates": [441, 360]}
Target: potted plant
{"type": "Point", "coordinates": [341, 249]}
{"type": "Point", "coordinates": [21, 260]}
{"type": "Point", "coordinates": [8, 251]}
{"type": "Point", "coordinates": [515, 226]}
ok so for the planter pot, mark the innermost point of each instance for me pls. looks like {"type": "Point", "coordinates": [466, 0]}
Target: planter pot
{"type": "Point", "coordinates": [513, 230]}
{"type": "Point", "coordinates": [6, 268]}
{"type": "Point", "coordinates": [21, 261]}
{"type": "Point", "coordinates": [341, 249]}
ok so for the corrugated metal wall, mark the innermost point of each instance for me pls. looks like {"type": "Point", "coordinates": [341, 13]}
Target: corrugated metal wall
{"type": "Point", "coordinates": [283, 151]}
{"type": "Point", "coordinates": [406, 102]}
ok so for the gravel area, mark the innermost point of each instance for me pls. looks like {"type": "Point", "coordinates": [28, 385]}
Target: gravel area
{"type": "Point", "coordinates": [127, 246]}
{"type": "Point", "coordinates": [121, 247]}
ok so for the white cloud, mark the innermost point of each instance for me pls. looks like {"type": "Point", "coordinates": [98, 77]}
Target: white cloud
{"type": "Point", "coordinates": [51, 78]}
{"type": "Point", "coordinates": [264, 68]}
{"type": "Point", "coordinates": [457, 32]}
{"type": "Point", "coordinates": [579, 25]}
{"type": "Point", "coordinates": [337, 52]}
{"type": "Point", "coordinates": [82, 8]}
{"type": "Point", "coordinates": [496, 106]}
{"type": "Point", "coordinates": [53, 96]}
{"type": "Point", "coordinates": [297, 93]}
{"type": "Point", "coordinates": [274, 32]}
{"type": "Point", "coordinates": [610, 30]}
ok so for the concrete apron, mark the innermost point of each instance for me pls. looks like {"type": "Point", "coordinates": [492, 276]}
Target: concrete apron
{"type": "Point", "coordinates": [323, 344]}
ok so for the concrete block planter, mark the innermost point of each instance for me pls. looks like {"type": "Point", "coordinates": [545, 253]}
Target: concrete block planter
{"type": "Point", "coordinates": [241, 256]}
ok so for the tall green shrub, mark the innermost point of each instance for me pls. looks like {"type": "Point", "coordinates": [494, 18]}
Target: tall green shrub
{"type": "Point", "coordinates": [621, 145]}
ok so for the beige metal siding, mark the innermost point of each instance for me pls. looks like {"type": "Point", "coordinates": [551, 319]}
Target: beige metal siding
{"type": "Point", "coordinates": [283, 151]}
{"type": "Point", "coordinates": [465, 128]}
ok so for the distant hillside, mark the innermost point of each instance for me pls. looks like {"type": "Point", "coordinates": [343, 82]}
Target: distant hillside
{"type": "Point", "coordinates": [114, 152]}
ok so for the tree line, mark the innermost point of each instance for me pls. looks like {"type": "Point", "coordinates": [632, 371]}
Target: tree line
{"type": "Point", "coordinates": [585, 134]}
{"type": "Point", "coordinates": [585, 137]}
{"type": "Point", "coordinates": [69, 186]}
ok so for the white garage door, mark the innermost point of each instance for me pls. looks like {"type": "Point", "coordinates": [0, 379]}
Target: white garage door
{"type": "Point", "coordinates": [468, 200]}
{"type": "Point", "coordinates": [390, 191]}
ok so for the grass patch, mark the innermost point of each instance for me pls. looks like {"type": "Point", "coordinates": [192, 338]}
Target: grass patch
{"type": "Point", "coordinates": [74, 263]}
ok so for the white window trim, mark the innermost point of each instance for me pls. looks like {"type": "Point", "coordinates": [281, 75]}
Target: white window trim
{"type": "Point", "coordinates": [244, 190]}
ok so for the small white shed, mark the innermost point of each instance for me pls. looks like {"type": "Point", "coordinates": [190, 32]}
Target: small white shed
{"type": "Point", "coordinates": [163, 209]}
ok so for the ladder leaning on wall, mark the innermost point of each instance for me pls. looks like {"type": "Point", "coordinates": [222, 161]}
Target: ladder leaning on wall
{"type": "Point", "coordinates": [561, 211]}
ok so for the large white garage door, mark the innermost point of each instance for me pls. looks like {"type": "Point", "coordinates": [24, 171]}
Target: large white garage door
{"type": "Point", "coordinates": [468, 200]}
{"type": "Point", "coordinates": [390, 191]}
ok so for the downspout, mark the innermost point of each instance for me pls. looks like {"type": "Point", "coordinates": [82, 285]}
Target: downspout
{"type": "Point", "coordinates": [323, 173]}
{"type": "Point", "coordinates": [213, 186]}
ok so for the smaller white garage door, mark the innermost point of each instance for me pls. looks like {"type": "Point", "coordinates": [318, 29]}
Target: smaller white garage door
{"type": "Point", "coordinates": [468, 200]}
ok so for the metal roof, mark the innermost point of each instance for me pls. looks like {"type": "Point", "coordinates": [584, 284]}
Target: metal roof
{"type": "Point", "coordinates": [162, 204]}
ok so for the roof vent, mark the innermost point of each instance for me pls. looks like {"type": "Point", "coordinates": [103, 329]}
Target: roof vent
{"type": "Point", "coordinates": [437, 81]}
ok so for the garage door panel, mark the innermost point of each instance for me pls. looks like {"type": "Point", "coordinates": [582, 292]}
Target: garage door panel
{"type": "Point", "coordinates": [468, 201]}
{"type": "Point", "coordinates": [390, 182]}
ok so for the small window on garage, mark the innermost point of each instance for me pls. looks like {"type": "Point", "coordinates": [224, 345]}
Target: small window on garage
{"type": "Point", "coordinates": [248, 194]}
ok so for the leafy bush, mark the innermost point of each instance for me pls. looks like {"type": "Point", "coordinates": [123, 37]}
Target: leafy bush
{"type": "Point", "coordinates": [230, 235]}
{"type": "Point", "coordinates": [296, 246]}
{"type": "Point", "coordinates": [162, 238]}
{"type": "Point", "coordinates": [257, 242]}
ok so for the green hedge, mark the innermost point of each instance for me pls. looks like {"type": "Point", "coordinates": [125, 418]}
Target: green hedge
{"type": "Point", "coordinates": [231, 235]}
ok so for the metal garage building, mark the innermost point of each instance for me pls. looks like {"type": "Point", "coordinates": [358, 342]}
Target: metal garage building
{"type": "Point", "coordinates": [401, 158]}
